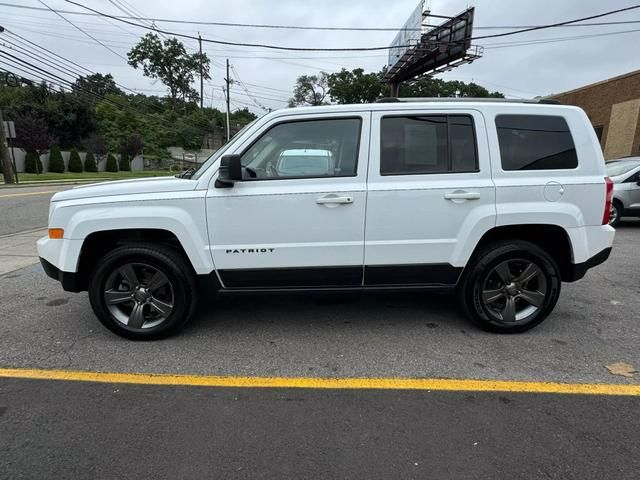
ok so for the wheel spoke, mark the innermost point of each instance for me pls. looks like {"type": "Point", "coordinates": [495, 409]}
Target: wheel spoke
{"type": "Point", "coordinates": [164, 308]}
{"type": "Point", "coordinates": [492, 296]}
{"type": "Point", "coordinates": [530, 272]}
{"type": "Point", "coordinates": [116, 297]}
{"type": "Point", "coordinates": [158, 280]}
{"type": "Point", "coordinates": [509, 311]}
{"type": "Point", "coordinates": [129, 275]}
{"type": "Point", "coordinates": [504, 272]}
{"type": "Point", "coordinates": [532, 297]}
{"type": "Point", "coordinates": [136, 318]}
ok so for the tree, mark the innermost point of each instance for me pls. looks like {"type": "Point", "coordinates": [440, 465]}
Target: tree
{"type": "Point", "coordinates": [32, 162]}
{"type": "Point", "coordinates": [95, 143]}
{"type": "Point", "coordinates": [355, 86]}
{"type": "Point", "coordinates": [310, 90]}
{"type": "Point", "coordinates": [112, 164]}
{"type": "Point", "coordinates": [90, 162]}
{"type": "Point", "coordinates": [125, 165]}
{"type": "Point", "coordinates": [132, 146]}
{"type": "Point", "coordinates": [56, 162]}
{"type": "Point", "coordinates": [168, 61]}
{"type": "Point", "coordinates": [96, 84]}
{"type": "Point", "coordinates": [75, 163]}
{"type": "Point", "coordinates": [436, 87]}
{"type": "Point", "coordinates": [32, 133]}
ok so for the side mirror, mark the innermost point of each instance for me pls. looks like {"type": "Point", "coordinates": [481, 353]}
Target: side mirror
{"type": "Point", "coordinates": [229, 172]}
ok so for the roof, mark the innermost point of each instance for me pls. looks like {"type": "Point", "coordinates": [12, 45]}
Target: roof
{"type": "Point", "coordinates": [596, 84]}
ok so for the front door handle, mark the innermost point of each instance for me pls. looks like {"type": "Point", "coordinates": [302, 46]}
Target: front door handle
{"type": "Point", "coordinates": [462, 195]}
{"type": "Point", "coordinates": [333, 199]}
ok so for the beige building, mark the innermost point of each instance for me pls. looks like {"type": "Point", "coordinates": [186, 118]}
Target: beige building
{"type": "Point", "coordinates": [613, 106]}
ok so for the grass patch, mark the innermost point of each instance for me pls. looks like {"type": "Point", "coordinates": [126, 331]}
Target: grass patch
{"type": "Point", "coordinates": [97, 176]}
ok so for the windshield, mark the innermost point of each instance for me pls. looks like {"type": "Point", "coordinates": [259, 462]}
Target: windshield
{"type": "Point", "coordinates": [621, 167]}
{"type": "Point", "coordinates": [218, 153]}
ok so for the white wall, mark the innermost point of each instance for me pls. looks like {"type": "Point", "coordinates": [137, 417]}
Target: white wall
{"type": "Point", "coordinates": [137, 164]}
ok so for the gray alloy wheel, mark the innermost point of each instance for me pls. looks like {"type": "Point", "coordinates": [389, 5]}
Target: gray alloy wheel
{"type": "Point", "coordinates": [514, 290]}
{"type": "Point", "coordinates": [615, 214]}
{"type": "Point", "coordinates": [139, 296]}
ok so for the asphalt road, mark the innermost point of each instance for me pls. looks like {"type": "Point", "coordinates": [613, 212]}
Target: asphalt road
{"type": "Point", "coordinates": [25, 208]}
{"type": "Point", "coordinates": [58, 429]}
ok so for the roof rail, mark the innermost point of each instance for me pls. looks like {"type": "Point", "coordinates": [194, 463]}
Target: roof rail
{"type": "Point", "coordinates": [466, 99]}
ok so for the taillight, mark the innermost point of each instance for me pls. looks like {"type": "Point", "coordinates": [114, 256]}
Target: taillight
{"type": "Point", "coordinates": [607, 203]}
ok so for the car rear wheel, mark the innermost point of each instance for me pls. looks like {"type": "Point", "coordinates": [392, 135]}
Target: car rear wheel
{"type": "Point", "coordinates": [510, 287]}
{"type": "Point", "coordinates": [616, 213]}
{"type": "Point", "coordinates": [143, 292]}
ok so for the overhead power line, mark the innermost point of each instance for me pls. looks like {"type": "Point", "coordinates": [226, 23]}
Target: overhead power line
{"type": "Point", "coordinates": [295, 27]}
{"type": "Point", "coordinates": [83, 31]}
{"type": "Point", "coordinates": [306, 49]}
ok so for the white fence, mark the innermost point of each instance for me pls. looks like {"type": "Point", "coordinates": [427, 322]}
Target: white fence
{"type": "Point", "coordinates": [137, 164]}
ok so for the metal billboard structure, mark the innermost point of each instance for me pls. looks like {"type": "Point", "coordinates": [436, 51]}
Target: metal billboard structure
{"type": "Point", "coordinates": [418, 49]}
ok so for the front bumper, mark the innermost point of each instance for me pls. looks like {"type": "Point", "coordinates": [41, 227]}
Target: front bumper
{"type": "Point", "coordinates": [578, 270]}
{"type": "Point", "coordinates": [69, 280]}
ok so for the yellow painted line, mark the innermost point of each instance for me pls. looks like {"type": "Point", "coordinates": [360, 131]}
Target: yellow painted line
{"type": "Point", "coordinates": [27, 194]}
{"type": "Point", "coordinates": [431, 384]}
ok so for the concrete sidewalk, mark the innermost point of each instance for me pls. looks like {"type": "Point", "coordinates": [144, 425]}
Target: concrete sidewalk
{"type": "Point", "coordinates": [18, 250]}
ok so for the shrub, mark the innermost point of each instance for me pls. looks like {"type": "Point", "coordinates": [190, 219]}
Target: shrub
{"type": "Point", "coordinates": [112, 164]}
{"type": "Point", "coordinates": [56, 163]}
{"type": "Point", "coordinates": [75, 164]}
{"type": "Point", "coordinates": [32, 163]}
{"type": "Point", "coordinates": [125, 166]}
{"type": "Point", "coordinates": [90, 164]}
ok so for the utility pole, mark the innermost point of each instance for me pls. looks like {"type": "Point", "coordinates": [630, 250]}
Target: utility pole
{"type": "Point", "coordinates": [201, 89]}
{"type": "Point", "coordinates": [7, 167]}
{"type": "Point", "coordinates": [228, 81]}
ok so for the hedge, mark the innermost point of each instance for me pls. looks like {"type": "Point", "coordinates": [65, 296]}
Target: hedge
{"type": "Point", "coordinates": [75, 163]}
{"type": "Point", "coordinates": [56, 163]}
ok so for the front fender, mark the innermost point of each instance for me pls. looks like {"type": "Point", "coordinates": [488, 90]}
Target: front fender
{"type": "Point", "coordinates": [185, 218]}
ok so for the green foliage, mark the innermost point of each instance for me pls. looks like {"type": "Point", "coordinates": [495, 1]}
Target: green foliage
{"type": "Point", "coordinates": [355, 86]}
{"type": "Point", "coordinates": [75, 163]}
{"type": "Point", "coordinates": [112, 164]}
{"type": "Point", "coordinates": [310, 90]}
{"type": "Point", "coordinates": [125, 165]}
{"type": "Point", "coordinates": [56, 163]}
{"type": "Point", "coordinates": [32, 162]}
{"type": "Point", "coordinates": [90, 164]}
{"type": "Point", "coordinates": [96, 84]}
{"type": "Point", "coordinates": [168, 61]}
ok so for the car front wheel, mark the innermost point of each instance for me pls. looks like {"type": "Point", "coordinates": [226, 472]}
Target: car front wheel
{"type": "Point", "coordinates": [616, 213]}
{"type": "Point", "coordinates": [510, 287]}
{"type": "Point", "coordinates": [143, 292]}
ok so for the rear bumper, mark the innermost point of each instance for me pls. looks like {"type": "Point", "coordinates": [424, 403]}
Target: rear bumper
{"type": "Point", "coordinates": [69, 280]}
{"type": "Point", "coordinates": [578, 270]}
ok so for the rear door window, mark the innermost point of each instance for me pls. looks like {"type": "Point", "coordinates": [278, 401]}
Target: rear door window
{"type": "Point", "coordinates": [535, 142]}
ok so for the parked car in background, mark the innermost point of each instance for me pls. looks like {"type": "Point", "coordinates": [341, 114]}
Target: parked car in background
{"type": "Point", "coordinates": [625, 174]}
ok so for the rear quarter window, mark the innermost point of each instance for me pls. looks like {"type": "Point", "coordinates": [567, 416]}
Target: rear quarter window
{"type": "Point", "coordinates": [535, 142]}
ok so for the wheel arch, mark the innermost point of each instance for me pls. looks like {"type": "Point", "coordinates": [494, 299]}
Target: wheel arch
{"type": "Point", "coordinates": [553, 239]}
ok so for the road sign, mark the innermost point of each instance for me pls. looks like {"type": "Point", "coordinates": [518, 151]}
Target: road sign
{"type": "Point", "coordinates": [9, 129]}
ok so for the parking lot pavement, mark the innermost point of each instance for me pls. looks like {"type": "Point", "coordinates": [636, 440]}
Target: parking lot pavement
{"type": "Point", "coordinates": [596, 323]}
{"type": "Point", "coordinates": [18, 250]}
{"type": "Point", "coordinates": [62, 429]}
{"type": "Point", "coordinates": [106, 431]}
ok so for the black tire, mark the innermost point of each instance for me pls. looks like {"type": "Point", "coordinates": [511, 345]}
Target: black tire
{"type": "Point", "coordinates": [481, 273]}
{"type": "Point", "coordinates": [179, 284]}
{"type": "Point", "coordinates": [619, 210]}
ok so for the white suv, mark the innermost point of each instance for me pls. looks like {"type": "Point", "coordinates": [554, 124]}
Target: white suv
{"type": "Point", "coordinates": [500, 200]}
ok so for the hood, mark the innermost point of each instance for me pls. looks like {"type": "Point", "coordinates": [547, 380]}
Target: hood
{"type": "Point", "coordinates": [127, 187]}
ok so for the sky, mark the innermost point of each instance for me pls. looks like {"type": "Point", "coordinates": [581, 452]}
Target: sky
{"type": "Point", "coordinates": [266, 77]}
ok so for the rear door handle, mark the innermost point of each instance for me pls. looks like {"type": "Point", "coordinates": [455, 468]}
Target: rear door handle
{"type": "Point", "coordinates": [333, 199]}
{"type": "Point", "coordinates": [462, 195]}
